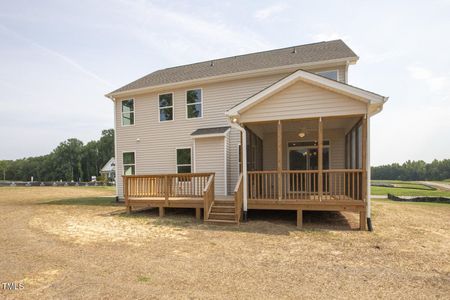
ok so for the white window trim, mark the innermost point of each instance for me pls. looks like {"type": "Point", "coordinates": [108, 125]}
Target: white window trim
{"type": "Point", "coordinates": [173, 107]}
{"type": "Point", "coordinates": [123, 164]}
{"type": "Point", "coordinates": [201, 103]}
{"type": "Point", "coordinates": [182, 165]}
{"type": "Point", "coordinates": [134, 112]}
{"type": "Point", "coordinates": [338, 78]}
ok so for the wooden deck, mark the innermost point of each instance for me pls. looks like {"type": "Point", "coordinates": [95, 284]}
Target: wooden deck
{"type": "Point", "coordinates": [297, 191]}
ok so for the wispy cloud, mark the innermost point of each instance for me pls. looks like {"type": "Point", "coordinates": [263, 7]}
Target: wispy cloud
{"type": "Point", "coordinates": [270, 11]}
{"type": "Point", "coordinates": [195, 35]}
{"type": "Point", "coordinates": [436, 83]}
{"type": "Point", "coordinates": [56, 54]}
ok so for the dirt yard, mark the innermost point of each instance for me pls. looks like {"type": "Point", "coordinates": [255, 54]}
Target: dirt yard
{"type": "Point", "coordinates": [74, 243]}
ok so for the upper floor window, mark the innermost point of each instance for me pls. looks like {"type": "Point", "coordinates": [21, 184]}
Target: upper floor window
{"type": "Point", "coordinates": [184, 160]}
{"type": "Point", "coordinates": [165, 107]}
{"type": "Point", "coordinates": [194, 103]}
{"type": "Point", "coordinates": [332, 74]}
{"type": "Point", "coordinates": [128, 112]}
{"type": "Point", "coordinates": [129, 163]}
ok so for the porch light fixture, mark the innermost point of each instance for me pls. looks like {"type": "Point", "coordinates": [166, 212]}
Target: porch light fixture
{"type": "Point", "coordinates": [302, 133]}
{"type": "Point", "coordinates": [234, 120]}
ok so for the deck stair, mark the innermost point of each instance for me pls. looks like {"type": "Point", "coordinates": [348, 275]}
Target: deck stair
{"type": "Point", "coordinates": [222, 212]}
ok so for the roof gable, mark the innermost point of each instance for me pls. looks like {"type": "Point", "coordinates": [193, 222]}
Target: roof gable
{"type": "Point", "coordinates": [313, 79]}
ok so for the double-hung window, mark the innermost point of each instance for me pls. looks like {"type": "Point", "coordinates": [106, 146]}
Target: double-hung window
{"type": "Point", "coordinates": [165, 107]}
{"type": "Point", "coordinates": [129, 163]}
{"type": "Point", "coordinates": [127, 112]}
{"type": "Point", "coordinates": [184, 160]}
{"type": "Point", "coordinates": [194, 104]}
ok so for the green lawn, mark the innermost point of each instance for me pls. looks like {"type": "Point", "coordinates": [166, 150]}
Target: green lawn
{"type": "Point", "coordinates": [405, 188]}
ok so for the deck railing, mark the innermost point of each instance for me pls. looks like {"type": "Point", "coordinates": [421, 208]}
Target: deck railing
{"type": "Point", "coordinates": [238, 198]}
{"type": "Point", "coordinates": [191, 185]}
{"type": "Point", "coordinates": [208, 197]}
{"type": "Point", "coordinates": [338, 184]}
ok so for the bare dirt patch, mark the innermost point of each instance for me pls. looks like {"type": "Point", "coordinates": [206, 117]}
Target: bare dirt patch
{"type": "Point", "coordinates": [62, 250]}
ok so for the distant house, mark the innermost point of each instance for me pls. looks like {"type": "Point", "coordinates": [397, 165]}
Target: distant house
{"type": "Point", "coordinates": [108, 171]}
{"type": "Point", "coordinates": [279, 129]}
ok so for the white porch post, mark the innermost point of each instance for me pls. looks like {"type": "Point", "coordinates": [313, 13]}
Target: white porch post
{"type": "Point", "coordinates": [244, 170]}
{"type": "Point", "coordinates": [368, 208]}
{"type": "Point", "coordinates": [320, 160]}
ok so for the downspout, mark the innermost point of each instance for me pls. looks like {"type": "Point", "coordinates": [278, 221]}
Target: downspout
{"type": "Point", "coordinates": [115, 147]}
{"type": "Point", "coordinates": [368, 208]}
{"type": "Point", "coordinates": [239, 127]}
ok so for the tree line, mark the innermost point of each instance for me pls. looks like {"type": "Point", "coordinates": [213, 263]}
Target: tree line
{"type": "Point", "coordinates": [414, 170]}
{"type": "Point", "coordinates": [70, 160]}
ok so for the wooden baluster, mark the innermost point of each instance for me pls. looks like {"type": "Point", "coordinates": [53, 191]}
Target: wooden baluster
{"type": "Point", "coordinates": [359, 188]}
{"type": "Point", "coordinates": [265, 187]}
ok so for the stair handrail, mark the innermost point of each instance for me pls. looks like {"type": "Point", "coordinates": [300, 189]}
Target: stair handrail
{"type": "Point", "coordinates": [208, 196]}
{"type": "Point", "coordinates": [238, 198]}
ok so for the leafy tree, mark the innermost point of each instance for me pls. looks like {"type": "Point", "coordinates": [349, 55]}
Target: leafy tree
{"type": "Point", "coordinates": [70, 160]}
{"type": "Point", "coordinates": [414, 170]}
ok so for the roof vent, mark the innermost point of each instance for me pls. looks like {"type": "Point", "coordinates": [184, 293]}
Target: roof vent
{"type": "Point", "coordinates": [212, 64]}
{"type": "Point", "coordinates": [294, 50]}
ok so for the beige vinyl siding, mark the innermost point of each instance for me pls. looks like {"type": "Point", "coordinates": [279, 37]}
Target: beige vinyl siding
{"type": "Point", "coordinates": [335, 136]}
{"type": "Point", "coordinates": [156, 148]}
{"type": "Point", "coordinates": [303, 100]}
{"type": "Point", "coordinates": [209, 157]}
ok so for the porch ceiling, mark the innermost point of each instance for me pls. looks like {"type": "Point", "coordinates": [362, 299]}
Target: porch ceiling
{"type": "Point", "coordinates": [310, 124]}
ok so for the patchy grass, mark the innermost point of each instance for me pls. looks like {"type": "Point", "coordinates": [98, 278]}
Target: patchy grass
{"type": "Point", "coordinates": [96, 201]}
{"type": "Point", "coordinates": [97, 251]}
{"type": "Point", "coordinates": [142, 278]}
{"type": "Point", "coordinates": [412, 203]}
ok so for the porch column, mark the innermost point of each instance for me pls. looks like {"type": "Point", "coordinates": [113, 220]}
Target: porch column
{"type": "Point", "coordinates": [280, 158]}
{"type": "Point", "coordinates": [368, 174]}
{"type": "Point", "coordinates": [365, 186]}
{"type": "Point", "coordinates": [244, 170]}
{"type": "Point", "coordinates": [320, 160]}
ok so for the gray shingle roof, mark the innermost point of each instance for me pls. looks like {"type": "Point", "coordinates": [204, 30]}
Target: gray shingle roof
{"type": "Point", "coordinates": [211, 130]}
{"type": "Point", "coordinates": [301, 54]}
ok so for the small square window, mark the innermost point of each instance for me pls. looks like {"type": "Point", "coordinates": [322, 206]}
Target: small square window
{"type": "Point", "coordinates": [332, 74]}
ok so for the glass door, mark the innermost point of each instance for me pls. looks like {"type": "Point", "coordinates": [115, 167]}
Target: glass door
{"type": "Point", "coordinates": [306, 158]}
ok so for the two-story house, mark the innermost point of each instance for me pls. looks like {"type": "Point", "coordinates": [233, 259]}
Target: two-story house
{"type": "Point", "coordinates": [279, 129]}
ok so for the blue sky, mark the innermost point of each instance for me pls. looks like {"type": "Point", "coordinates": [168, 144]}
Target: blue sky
{"type": "Point", "coordinates": [58, 59]}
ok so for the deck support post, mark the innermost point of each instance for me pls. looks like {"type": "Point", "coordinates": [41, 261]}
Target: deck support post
{"type": "Point", "coordinates": [166, 189]}
{"type": "Point", "coordinates": [320, 160]}
{"type": "Point", "coordinates": [362, 220]}
{"type": "Point", "coordinates": [161, 211]}
{"type": "Point", "coordinates": [299, 218]}
{"type": "Point", "coordinates": [280, 158]}
{"type": "Point", "coordinates": [125, 192]}
{"type": "Point", "coordinates": [197, 213]}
